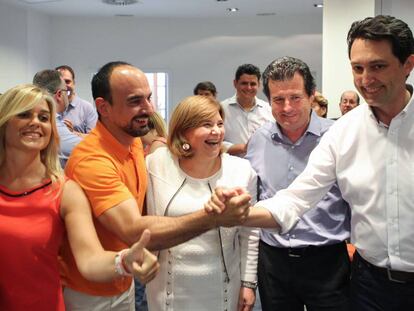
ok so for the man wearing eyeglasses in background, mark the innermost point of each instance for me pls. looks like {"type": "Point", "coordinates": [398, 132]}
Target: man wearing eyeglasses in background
{"type": "Point", "coordinates": [80, 115]}
{"type": "Point", "coordinates": [52, 81]}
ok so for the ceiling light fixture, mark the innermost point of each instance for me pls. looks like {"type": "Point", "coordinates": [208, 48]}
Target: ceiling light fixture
{"type": "Point", "coordinates": [266, 14]}
{"type": "Point", "coordinates": [120, 2]}
{"type": "Point", "coordinates": [39, 1]}
{"type": "Point", "coordinates": [232, 9]}
{"type": "Point", "coordinates": [222, 0]}
{"type": "Point", "coordinates": [318, 5]}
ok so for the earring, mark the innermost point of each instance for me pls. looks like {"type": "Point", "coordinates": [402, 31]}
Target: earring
{"type": "Point", "coordinates": [186, 146]}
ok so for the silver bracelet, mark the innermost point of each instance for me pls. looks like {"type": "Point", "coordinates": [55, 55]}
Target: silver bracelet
{"type": "Point", "coordinates": [252, 285]}
{"type": "Point", "coordinates": [119, 265]}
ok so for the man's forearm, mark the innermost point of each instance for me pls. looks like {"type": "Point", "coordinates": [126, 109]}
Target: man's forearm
{"type": "Point", "coordinates": [262, 218]}
{"type": "Point", "coordinates": [170, 231]}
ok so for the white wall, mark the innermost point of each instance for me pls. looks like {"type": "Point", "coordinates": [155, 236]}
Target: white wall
{"type": "Point", "coordinates": [337, 19]}
{"type": "Point", "coordinates": [190, 50]}
{"type": "Point", "coordinates": [13, 47]}
{"type": "Point", "coordinates": [24, 45]}
{"type": "Point", "coordinates": [403, 9]}
{"type": "Point", "coordinates": [338, 16]}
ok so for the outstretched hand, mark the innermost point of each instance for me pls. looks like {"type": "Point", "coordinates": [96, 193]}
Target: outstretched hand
{"type": "Point", "coordinates": [140, 262]}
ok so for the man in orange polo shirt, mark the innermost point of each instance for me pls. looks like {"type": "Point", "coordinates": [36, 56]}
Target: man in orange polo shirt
{"type": "Point", "coordinates": [109, 165]}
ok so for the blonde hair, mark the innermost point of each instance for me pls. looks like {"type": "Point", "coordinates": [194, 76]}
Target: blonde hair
{"type": "Point", "coordinates": [157, 122]}
{"type": "Point", "coordinates": [23, 98]}
{"type": "Point", "coordinates": [190, 113]}
{"type": "Point", "coordinates": [322, 102]}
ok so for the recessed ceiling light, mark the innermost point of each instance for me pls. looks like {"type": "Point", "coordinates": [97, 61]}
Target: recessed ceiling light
{"type": "Point", "coordinates": [318, 5]}
{"type": "Point", "coordinates": [232, 9]}
{"type": "Point", "coordinates": [266, 14]}
{"type": "Point", "coordinates": [39, 1]}
{"type": "Point", "coordinates": [120, 2]}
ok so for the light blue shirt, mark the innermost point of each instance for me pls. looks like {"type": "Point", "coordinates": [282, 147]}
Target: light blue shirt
{"type": "Point", "coordinates": [278, 162]}
{"type": "Point", "coordinates": [68, 140]}
{"type": "Point", "coordinates": [82, 114]}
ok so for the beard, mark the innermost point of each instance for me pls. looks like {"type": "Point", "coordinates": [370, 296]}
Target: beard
{"type": "Point", "coordinates": [134, 130]}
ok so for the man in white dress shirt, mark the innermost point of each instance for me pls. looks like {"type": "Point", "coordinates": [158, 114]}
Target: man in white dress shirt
{"type": "Point", "coordinates": [369, 152]}
{"type": "Point", "coordinates": [244, 112]}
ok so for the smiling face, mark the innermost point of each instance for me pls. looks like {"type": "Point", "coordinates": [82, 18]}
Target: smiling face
{"type": "Point", "coordinates": [70, 83]}
{"type": "Point", "coordinates": [127, 114]}
{"type": "Point", "coordinates": [30, 130]}
{"type": "Point", "coordinates": [378, 74]}
{"type": "Point", "coordinates": [246, 87]}
{"type": "Point", "coordinates": [206, 139]}
{"type": "Point", "coordinates": [291, 106]}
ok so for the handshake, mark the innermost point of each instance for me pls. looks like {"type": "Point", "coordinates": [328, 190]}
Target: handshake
{"type": "Point", "coordinates": [229, 207]}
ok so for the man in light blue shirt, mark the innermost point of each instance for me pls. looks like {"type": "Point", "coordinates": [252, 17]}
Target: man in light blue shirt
{"type": "Point", "coordinates": [309, 265]}
{"type": "Point", "coordinates": [52, 81]}
{"type": "Point", "coordinates": [80, 115]}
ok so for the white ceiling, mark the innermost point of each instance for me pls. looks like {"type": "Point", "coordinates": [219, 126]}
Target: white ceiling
{"type": "Point", "coordinates": [171, 8]}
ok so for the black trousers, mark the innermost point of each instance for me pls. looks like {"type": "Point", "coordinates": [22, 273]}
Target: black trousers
{"type": "Point", "coordinates": [372, 290]}
{"type": "Point", "coordinates": [315, 277]}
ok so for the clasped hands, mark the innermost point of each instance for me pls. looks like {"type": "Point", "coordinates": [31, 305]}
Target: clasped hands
{"type": "Point", "coordinates": [230, 206]}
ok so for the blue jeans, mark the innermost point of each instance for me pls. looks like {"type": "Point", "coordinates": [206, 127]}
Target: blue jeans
{"type": "Point", "coordinates": [140, 299]}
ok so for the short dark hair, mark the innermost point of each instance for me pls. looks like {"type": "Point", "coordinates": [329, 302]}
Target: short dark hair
{"type": "Point", "coordinates": [49, 79]}
{"type": "Point", "coordinates": [384, 27]}
{"type": "Point", "coordinates": [205, 86]}
{"type": "Point", "coordinates": [68, 68]}
{"type": "Point", "coordinates": [100, 81]}
{"type": "Point", "coordinates": [247, 69]}
{"type": "Point", "coordinates": [284, 68]}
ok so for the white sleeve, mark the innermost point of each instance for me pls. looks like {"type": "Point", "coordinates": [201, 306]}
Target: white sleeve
{"type": "Point", "coordinates": [249, 239]}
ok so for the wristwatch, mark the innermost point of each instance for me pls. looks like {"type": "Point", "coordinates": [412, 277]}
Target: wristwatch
{"type": "Point", "coordinates": [252, 285]}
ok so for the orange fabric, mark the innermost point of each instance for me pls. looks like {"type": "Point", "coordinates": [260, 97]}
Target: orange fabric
{"type": "Point", "coordinates": [109, 174]}
{"type": "Point", "coordinates": [351, 250]}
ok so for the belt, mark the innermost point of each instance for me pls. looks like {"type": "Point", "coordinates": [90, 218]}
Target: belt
{"type": "Point", "coordinates": [386, 273]}
{"type": "Point", "coordinates": [298, 252]}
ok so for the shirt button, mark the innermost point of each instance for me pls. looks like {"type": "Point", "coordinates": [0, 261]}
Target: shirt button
{"type": "Point", "coordinates": [291, 168]}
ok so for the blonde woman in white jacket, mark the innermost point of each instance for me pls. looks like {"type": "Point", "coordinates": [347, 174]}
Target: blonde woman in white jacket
{"type": "Point", "coordinates": [217, 269]}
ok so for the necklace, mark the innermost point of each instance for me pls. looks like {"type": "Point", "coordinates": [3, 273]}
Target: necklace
{"type": "Point", "coordinates": [26, 192]}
